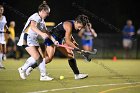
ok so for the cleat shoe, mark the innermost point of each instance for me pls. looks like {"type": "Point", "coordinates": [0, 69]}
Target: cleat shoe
{"type": "Point", "coordinates": [21, 73]}
{"type": "Point", "coordinates": [2, 68]}
{"type": "Point", "coordinates": [28, 71]}
{"type": "Point", "coordinates": [46, 78]}
{"type": "Point", "coordinates": [80, 76]}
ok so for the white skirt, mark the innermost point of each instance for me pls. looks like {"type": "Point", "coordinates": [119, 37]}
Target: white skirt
{"type": "Point", "coordinates": [30, 40]}
{"type": "Point", "coordinates": [127, 43]}
{"type": "Point", "coordinates": [2, 38]}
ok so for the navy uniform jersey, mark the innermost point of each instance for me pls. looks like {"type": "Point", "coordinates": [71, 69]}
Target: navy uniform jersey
{"type": "Point", "coordinates": [58, 32]}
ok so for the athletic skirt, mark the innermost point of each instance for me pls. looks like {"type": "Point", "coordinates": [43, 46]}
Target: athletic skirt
{"type": "Point", "coordinates": [2, 38]}
{"type": "Point", "coordinates": [28, 40]}
{"type": "Point", "coordinates": [87, 42]}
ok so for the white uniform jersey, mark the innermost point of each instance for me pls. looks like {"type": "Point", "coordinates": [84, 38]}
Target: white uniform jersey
{"type": "Point", "coordinates": [2, 34]}
{"type": "Point", "coordinates": [40, 24]}
{"type": "Point", "coordinates": [32, 35]}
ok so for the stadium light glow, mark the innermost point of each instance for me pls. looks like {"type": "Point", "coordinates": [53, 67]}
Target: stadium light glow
{"type": "Point", "coordinates": [50, 23]}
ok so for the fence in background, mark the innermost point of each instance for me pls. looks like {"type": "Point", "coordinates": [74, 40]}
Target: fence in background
{"type": "Point", "coordinates": [110, 45]}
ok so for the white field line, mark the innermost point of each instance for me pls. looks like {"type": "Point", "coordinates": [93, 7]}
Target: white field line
{"type": "Point", "coordinates": [87, 86]}
{"type": "Point", "coordinates": [34, 69]}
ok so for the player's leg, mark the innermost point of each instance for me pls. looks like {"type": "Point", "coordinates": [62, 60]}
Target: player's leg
{"type": "Point", "coordinates": [34, 57]}
{"type": "Point", "coordinates": [126, 46]}
{"type": "Point", "coordinates": [72, 63]}
{"type": "Point", "coordinates": [90, 44]}
{"type": "Point", "coordinates": [3, 45]}
{"type": "Point", "coordinates": [87, 45]}
{"type": "Point", "coordinates": [42, 65]}
{"type": "Point", "coordinates": [4, 51]}
{"type": "Point", "coordinates": [84, 44]}
{"type": "Point", "coordinates": [130, 43]}
{"type": "Point", "coordinates": [1, 51]}
{"type": "Point", "coordinates": [49, 53]}
{"type": "Point", "coordinates": [1, 65]}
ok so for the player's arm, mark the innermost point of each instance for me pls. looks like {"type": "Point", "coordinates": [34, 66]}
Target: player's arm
{"type": "Point", "coordinates": [132, 33]}
{"type": "Point", "coordinates": [52, 38]}
{"type": "Point", "coordinates": [6, 29]}
{"type": "Point", "coordinates": [7, 33]}
{"type": "Point", "coordinates": [49, 35]}
{"type": "Point", "coordinates": [93, 32]}
{"type": "Point", "coordinates": [68, 34]}
{"type": "Point", "coordinates": [34, 28]}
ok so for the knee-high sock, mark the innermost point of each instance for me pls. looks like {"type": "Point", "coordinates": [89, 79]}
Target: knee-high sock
{"type": "Point", "coordinates": [28, 63]}
{"type": "Point", "coordinates": [73, 65]}
{"type": "Point", "coordinates": [1, 60]}
{"type": "Point", "coordinates": [42, 68]}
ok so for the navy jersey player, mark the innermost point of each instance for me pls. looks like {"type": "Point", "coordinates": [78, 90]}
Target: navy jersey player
{"type": "Point", "coordinates": [63, 31]}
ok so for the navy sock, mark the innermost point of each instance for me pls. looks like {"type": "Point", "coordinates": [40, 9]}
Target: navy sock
{"type": "Point", "coordinates": [73, 65]}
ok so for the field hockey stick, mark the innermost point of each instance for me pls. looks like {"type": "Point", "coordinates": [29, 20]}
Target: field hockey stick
{"type": "Point", "coordinates": [79, 50]}
{"type": "Point", "coordinates": [86, 54]}
{"type": "Point", "coordinates": [68, 47]}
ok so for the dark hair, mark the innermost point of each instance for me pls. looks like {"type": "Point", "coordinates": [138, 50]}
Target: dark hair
{"type": "Point", "coordinates": [44, 6]}
{"type": "Point", "coordinates": [83, 19]}
{"type": "Point", "coordinates": [1, 6]}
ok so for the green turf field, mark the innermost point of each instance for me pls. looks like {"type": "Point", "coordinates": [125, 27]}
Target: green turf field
{"type": "Point", "coordinates": [105, 76]}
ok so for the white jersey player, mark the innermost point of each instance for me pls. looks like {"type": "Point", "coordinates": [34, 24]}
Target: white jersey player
{"type": "Point", "coordinates": [29, 36]}
{"type": "Point", "coordinates": [34, 27]}
{"type": "Point", "coordinates": [3, 29]}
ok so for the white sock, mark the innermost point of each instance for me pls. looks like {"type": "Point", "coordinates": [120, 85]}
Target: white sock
{"type": "Point", "coordinates": [42, 68]}
{"type": "Point", "coordinates": [1, 60]}
{"type": "Point", "coordinates": [3, 56]}
{"type": "Point", "coordinates": [30, 61]}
